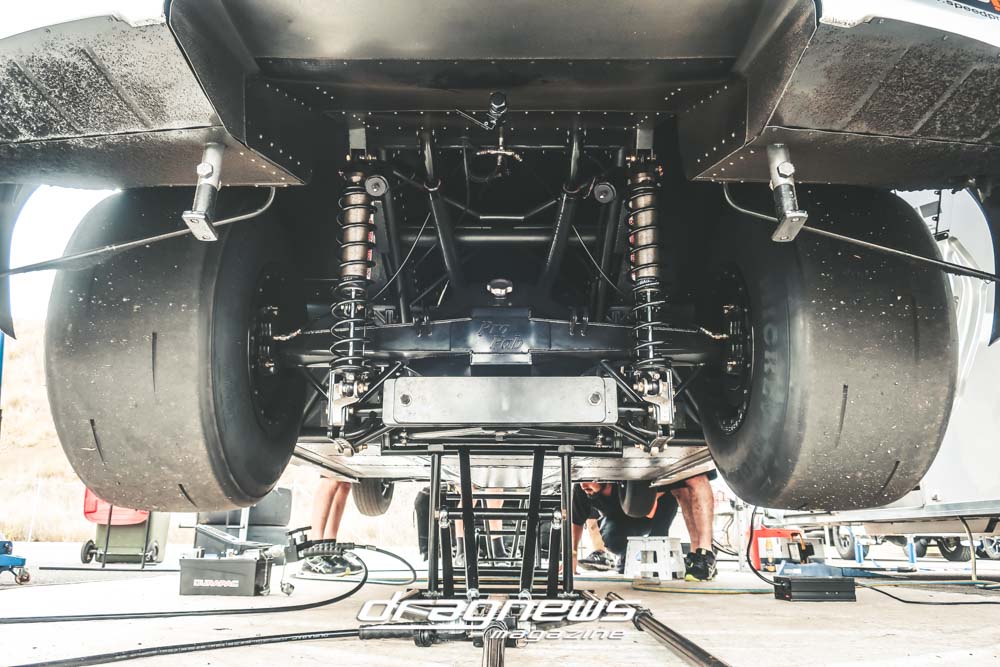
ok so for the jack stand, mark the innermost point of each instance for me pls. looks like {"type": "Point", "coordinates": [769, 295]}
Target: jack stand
{"type": "Point", "coordinates": [199, 219]}
{"type": "Point", "coordinates": [523, 585]}
{"type": "Point", "coordinates": [519, 574]}
{"type": "Point", "coordinates": [790, 218]}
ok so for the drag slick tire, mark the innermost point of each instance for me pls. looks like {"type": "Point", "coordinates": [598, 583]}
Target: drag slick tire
{"type": "Point", "coordinates": [158, 360]}
{"type": "Point", "coordinates": [372, 496]}
{"type": "Point", "coordinates": [840, 368]}
{"type": "Point", "coordinates": [637, 498]}
{"type": "Point", "coordinates": [952, 549]}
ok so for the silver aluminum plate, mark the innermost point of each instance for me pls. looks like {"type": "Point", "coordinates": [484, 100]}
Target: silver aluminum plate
{"type": "Point", "coordinates": [482, 401]}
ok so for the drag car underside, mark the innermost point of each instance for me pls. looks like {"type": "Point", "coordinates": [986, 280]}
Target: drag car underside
{"type": "Point", "coordinates": [508, 259]}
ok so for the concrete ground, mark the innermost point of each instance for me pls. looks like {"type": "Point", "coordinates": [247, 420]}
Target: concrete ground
{"type": "Point", "coordinates": [742, 629]}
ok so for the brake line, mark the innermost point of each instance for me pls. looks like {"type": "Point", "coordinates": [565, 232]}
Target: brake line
{"type": "Point", "coordinates": [97, 254]}
{"type": "Point", "coordinates": [947, 267]}
{"type": "Point", "coordinates": [125, 616]}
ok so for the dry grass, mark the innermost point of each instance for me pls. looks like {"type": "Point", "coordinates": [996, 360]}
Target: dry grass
{"type": "Point", "coordinates": [43, 497]}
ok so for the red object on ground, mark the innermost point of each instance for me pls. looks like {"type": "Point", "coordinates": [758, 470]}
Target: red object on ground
{"type": "Point", "coordinates": [765, 533]}
{"type": "Point", "coordinates": [95, 510]}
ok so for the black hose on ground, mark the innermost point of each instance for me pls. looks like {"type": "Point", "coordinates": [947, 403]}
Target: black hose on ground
{"type": "Point", "coordinates": [175, 649]}
{"type": "Point", "coordinates": [413, 572]}
{"type": "Point", "coordinates": [129, 616]}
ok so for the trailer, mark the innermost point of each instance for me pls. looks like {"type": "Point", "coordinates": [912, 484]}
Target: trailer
{"type": "Point", "coordinates": [956, 506]}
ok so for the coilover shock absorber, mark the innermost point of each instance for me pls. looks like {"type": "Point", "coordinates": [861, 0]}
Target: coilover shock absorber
{"type": "Point", "coordinates": [651, 367]}
{"type": "Point", "coordinates": [349, 368]}
{"type": "Point", "coordinates": [644, 260]}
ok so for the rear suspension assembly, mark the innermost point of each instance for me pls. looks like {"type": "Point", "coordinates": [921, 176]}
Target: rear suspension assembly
{"type": "Point", "coordinates": [652, 374]}
{"type": "Point", "coordinates": [349, 369]}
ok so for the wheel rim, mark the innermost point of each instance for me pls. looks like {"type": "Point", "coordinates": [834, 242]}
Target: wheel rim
{"type": "Point", "coordinates": [272, 313]}
{"type": "Point", "coordinates": [991, 547]}
{"type": "Point", "coordinates": [949, 544]}
{"type": "Point", "coordinates": [731, 379]}
{"type": "Point", "coordinates": [951, 548]}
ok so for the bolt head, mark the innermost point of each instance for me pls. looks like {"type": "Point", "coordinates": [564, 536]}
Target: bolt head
{"type": "Point", "coordinates": [604, 192]}
{"type": "Point", "coordinates": [498, 102]}
{"type": "Point", "coordinates": [595, 398]}
{"type": "Point", "coordinates": [204, 170]}
{"type": "Point", "coordinates": [376, 186]}
{"type": "Point", "coordinates": [786, 170]}
{"type": "Point", "coordinates": [500, 287]}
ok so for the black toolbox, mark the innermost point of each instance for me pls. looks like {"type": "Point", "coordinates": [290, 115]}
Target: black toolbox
{"type": "Point", "coordinates": [814, 589]}
{"type": "Point", "coordinates": [226, 576]}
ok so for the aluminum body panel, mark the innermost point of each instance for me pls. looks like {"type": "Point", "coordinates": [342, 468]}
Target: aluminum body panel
{"type": "Point", "coordinates": [895, 83]}
{"type": "Point", "coordinates": [899, 93]}
{"type": "Point", "coordinates": [112, 101]}
{"type": "Point", "coordinates": [463, 29]}
{"type": "Point", "coordinates": [481, 401]}
{"type": "Point", "coordinates": [121, 160]}
{"type": "Point", "coordinates": [506, 471]}
{"type": "Point", "coordinates": [90, 77]}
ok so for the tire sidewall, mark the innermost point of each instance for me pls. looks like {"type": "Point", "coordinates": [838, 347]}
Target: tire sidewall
{"type": "Point", "coordinates": [249, 452]}
{"type": "Point", "coordinates": [752, 455]}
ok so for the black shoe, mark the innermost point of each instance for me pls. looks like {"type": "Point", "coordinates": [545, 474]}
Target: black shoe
{"type": "Point", "coordinates": [324, 565]}
{"type": "Point", "coordinates": [332, 566]}
{"type": "Point", "coordinates": [499, 548]}
{"type": "Point", "coordinates": [700, 566]}
{"type": "Point", "coordinates": [599, 560]}
{"type": "Point", "coordinates": [353, 563]}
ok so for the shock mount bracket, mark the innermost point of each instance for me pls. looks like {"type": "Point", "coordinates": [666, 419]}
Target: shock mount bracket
{"type": "Point", "coordinates": [791, 218]}
{"type": "Point", "coordinates": [200, 217]}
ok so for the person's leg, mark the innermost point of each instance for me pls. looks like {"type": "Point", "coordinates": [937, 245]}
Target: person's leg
{"type": "Point", "coordinates": [499, 547]}
{"type": "Point", "coordinates": [328, 508]}
{"type": "Point", "coordinates": [663, 516]}
{"type": "Point", "coordinates": [594, 532]}
{"type": "Point", "coordinates": [337, 505]}
{"type": "Point", "coordinates": [322, 499]}
{"type": "Point", "coordinates": [458, 560]}
{"type": "Point", "coordinates": [682, 495]}
{"type": "Point", "coordinates": [615, 541]}
{"type": "Point", "coordinates": [598, 558]}
{"type": "Point", "coordinates": [701, 507]}
{"type": "Point", "coordinates": [698, 506]}
{"type": "Point", "coordinates": [422, 513]}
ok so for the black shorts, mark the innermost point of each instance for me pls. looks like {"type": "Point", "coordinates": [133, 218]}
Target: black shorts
{"type": "Point", "coordinates": [616, 533]}
{"type": "Point", "coordinates": [711, 474]}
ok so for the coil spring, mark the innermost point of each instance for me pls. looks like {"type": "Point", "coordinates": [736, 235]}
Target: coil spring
{"type": "Point", "coordinates": [350, 308]}
{"type": "Point", "coordinates": [646, 291]}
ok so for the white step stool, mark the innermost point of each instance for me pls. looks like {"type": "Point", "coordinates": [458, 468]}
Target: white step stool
{"type": "Point", "coordinates": [651, 560]}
